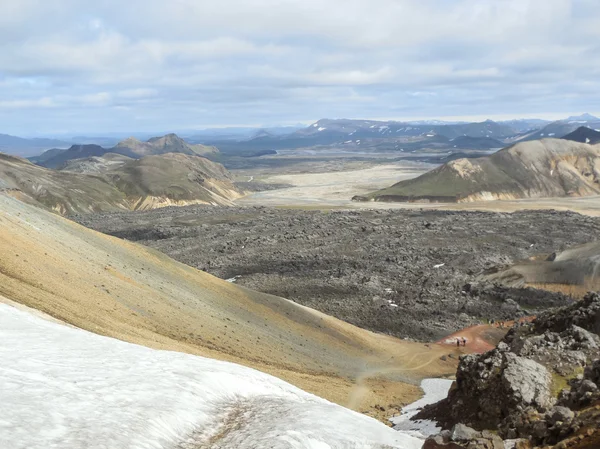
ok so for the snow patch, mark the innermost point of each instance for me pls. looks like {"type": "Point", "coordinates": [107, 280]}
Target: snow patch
{"type": "Point", "coordinates": [435, 390]}
{"type": "Point", "coordinates": [64, 387]}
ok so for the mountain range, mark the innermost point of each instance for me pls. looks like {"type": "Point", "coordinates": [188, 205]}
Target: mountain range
{"type": "Point", "coordinates": [131, 147]}
{"type": "Point", "coordinates": [116, 182]}
{"type": "Point", "coordinates": [532, 169]}
{"type": "Point", "coordinates": [561, 128]}
{"type": "Point", "coordinates": [28, 147]}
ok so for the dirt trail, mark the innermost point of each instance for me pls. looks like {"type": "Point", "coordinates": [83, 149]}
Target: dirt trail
{"type": "Point", "coordinates": [480, 338]}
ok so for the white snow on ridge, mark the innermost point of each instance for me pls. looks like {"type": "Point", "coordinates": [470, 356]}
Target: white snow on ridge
{"type": "Point", "coordinates": [63, 387]}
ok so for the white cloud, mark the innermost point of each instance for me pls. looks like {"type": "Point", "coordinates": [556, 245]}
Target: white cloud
{"type": "Point", "coordinates": [290, 59]}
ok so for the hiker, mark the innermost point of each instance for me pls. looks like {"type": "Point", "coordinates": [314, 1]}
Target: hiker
{"type": "Point", "coordinates": [464, 341]}
{"type": "Point", "coordinates": [458, 342]}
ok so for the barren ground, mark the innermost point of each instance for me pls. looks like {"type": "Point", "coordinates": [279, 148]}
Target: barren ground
{"type": "Point", "coordinates": [319, 186]}
{"type": "Point", "coordinates": [407, 273]}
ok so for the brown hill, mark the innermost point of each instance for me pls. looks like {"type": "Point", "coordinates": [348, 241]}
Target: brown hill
{"type": "Point", "coordinates": [131, 147]}
{"type": "Point", "coordinates": [119, 183]}
{"type": "Point", "coordinates": [536, 169]}
{"type": "Point", "coordinates": [171, 143]}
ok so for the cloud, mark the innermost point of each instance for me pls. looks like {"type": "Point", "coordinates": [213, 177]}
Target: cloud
{"type": "Point", "coordinates": [153, 64]}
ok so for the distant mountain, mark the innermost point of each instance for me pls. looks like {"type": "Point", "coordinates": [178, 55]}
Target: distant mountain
{"type": "Point", "coordinates": [55, 158]}
{"type": "Point", "coordinates": [28, 147]}
{"type": "Point", "coordinates": [130, 147]}
{"type": "Point", "coordinates": [119, 183]}
{"type": "Point", "coordinates": [544, 168]}
{"type": "Point", "coordinates": [235, 134]}
{"type": "Point", "coordinates": [376, 129]}
{"type": "Point", "coordinates": [171, 143]}
{"type": "Point", "coordinates": [369, 133]}
{"type": "Point", "coordinates": [561, 128]}
{"type": "Point", "coordinates": [263, 134]}
{"type": "Point", "coordinates": [435, 122]}
{"type": "Point", "coordinates": [525, 125]}
{"type": "Point", "coordinates": [583, 118]}
{"type": "Point", "coordinates": [476, 143]}
{"type": "Point", "coordinates": [585, 135]}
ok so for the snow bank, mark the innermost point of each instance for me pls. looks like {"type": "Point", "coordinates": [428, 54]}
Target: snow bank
{"type": "Point", "coordinates": [435, 390]}
{"type": "Point", "coordinates": [63, 387]}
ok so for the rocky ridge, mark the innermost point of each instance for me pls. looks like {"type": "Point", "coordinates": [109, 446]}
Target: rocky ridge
{"type": "Point", "coordinates": [540, 385]}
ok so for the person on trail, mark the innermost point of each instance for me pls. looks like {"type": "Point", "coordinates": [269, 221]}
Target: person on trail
{"type": "Point", "coordinates": [464, 341]}
{"type": "Point", "coordinates": [457, 342]}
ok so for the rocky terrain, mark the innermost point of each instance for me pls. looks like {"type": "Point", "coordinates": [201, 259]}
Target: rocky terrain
{"type": "Point", "coordinates": [537, 169]}
{"type": "Point", "coordinates": [541, 385]}
{"type": "Point", "coordinates": [413, 274]}
{"type": "Point", "coordinates": [114, 182]}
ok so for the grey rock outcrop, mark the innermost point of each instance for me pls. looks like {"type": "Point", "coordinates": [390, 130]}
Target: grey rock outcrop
{"type": "Point", "coordinates": [461, 437]}
{"type": "Point", "coordinates": [585, 389]}
{"type": "Point", "coordinates": [491, 386]}
{"type": "Point", "coordinates": [512, 389]}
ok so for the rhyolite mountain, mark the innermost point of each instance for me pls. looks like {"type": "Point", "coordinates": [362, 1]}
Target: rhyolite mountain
{"type": "Point", "coordinates": [536, 169]}
{"type": "Point", "coordinates": [131, 147]}
{"type": "Point", "coordinates": [115, 182]}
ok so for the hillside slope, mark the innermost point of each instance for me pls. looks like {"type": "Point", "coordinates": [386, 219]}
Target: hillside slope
{"type": "Point", "coordinates": [174, 179]}
{"type": "Point", "coordinates": [123, 290]}
{"type": "Point", "coordinates": [115, 183]}
{"type": "Point", "coordinates": [537, 169]}
{"type": "Point", "coordinates": [62, 192]}
{"type": "Point", "coordinates": [574, 271]}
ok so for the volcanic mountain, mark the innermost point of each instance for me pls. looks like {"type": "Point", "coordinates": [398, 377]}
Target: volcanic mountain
{"type": "Point", "coordinates": [585, 135]}
{"type": "Point", "coordinates": [130, 147]}
{"type": "Point", "coordinates": [171, 143]}
{"type": "Point", "coordinates": [536, 169]}
{"type": "Point", "coordinates": [119, 183]}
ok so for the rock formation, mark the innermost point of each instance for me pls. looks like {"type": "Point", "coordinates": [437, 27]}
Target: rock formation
{"type": "Point", "coordinates": [541, 384]}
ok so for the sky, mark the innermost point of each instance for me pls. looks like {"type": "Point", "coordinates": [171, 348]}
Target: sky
{"type": "Point", "coordinates": [75, 66]}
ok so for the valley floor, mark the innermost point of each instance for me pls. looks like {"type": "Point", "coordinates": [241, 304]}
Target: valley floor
{"type": "Point", "coordinates": [403, 273]}
{"type": "Point", "coordinates": [319, 188]}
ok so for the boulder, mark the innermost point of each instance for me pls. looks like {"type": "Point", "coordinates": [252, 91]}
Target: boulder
{"type": "Point", "coordinates": [463, 437]}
